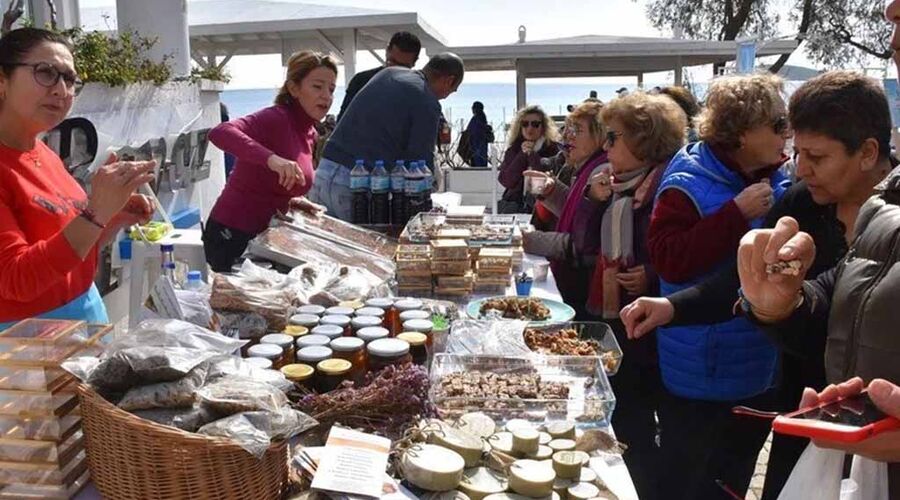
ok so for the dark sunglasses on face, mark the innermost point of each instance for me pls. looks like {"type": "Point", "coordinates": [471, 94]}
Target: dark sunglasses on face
{"type": "Point", "coordinates": [45, 74]}
{"type": "Point", "coordinates": [611, 137]}
{"type": "Point", "coordinates": [780, 125]}
{"type": "Point", "coordinates": [532, 124]}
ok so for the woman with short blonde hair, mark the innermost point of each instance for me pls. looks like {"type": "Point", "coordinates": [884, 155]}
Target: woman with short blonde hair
{"type": "Point", "coordinates": [532, 137]}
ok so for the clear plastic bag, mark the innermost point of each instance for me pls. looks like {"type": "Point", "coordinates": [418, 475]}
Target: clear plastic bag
{"type": "Point", "coordinates": [187, 419]}
{"type": "Point", "coordinates": [235, 366]}
{"type": "Point", "coordinates": [255, 430]}
{"type": "Point", "coordinates": [234, 394]}
{"type": "Point", "coordinates": [498, 338]}
{"type": "Point", "coordinates": [818, 475]}
{"type": "Point", "coordinates": [174, 333]}
{"type": "Point", "coordinates": [195, 307]}
{"type": "Point", "coordinates": [269, 298]}
{"type": "Point", "coordinates": [180, 393]}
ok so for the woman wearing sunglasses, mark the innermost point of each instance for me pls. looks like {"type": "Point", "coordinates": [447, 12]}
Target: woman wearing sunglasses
{"type": "Point", "coordinates": [50, 229]}
{"type": "Point", "coordinates": [711, 194]}
{"type": "Point", "coordinates": [532, 137]}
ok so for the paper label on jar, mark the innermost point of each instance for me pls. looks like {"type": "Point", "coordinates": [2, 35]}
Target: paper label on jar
{"type": "Point", "coordinates": [352, 462]}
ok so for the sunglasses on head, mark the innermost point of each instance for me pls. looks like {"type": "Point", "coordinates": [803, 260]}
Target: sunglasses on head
{"type": "Point", "coordinates": [532, 124]}
{"type": "Point", "coordinates": [780, 125]}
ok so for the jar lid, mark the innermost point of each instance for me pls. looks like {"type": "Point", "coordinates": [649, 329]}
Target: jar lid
{"type": "Point", "coordinates": [360, 322]}
{"type": "Point", "coordinates": [314, 354]}
{"type": "Point", "coordinates": [414, 338]}
{"type": "Point", "coordinates": [418, 325]}
{"type": "Point", "coordinates": [414, 314]}
{"type": "Point", "coordinates": [279, 339]}
{"type": "Point", "coordinates": [408, 304]}
{"type": "Point", "coordinates": [312, 340]}
{"type": "Point", "coordinates": [339, 310]}
{"type": "Point", "coordinates": [296, 330]}
{"type": "Point", "coordinates": [388, 348]}
{"type": "Point", "coordinates": [382, 302]}
{"type": "Point", "coordinates": [334, 366]}
{"type": "Point", "coordinates": [305, 319]}
{"type": "Point", "coordinates": [263, 363]}
{"type": "Point", "coordinates": [311, 309]}
{"type": "Point", "coordinates": [347, 344]}
{"type": "Point", "coordinates": [372, 333]}
{"type": "Point", "coordinates": [268, 351]}
{"type": "Point", "coordinates": [352, 304]}
{"type": "Point", "coordinates": [335, 319]}
{"type": "Point", "coordinates": [370, 311]}
{"type": "Point", "coordinates": [330, 331]}
{"type": "Point", "coordinates": [297, 371]}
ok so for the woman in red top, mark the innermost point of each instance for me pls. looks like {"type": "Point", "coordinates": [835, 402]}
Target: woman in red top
{"type": "Point", "coordinates": [49, 228]}
{"type": "Point", "coordinates": [274, 150]}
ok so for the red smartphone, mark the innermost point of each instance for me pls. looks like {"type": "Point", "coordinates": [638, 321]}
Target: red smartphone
{"type": "Point", "coordinates": [847, 420]}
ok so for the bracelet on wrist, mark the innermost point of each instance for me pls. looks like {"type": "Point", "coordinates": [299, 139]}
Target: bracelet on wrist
{"type": "Point", "coordinates": [89, 215]}
{"type": "Point", "coordinates": [745, 307]}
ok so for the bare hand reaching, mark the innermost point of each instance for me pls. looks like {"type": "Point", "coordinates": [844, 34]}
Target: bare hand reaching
{"type": "Point", "coordinates": [288, 171]}
{"type": "Point", "coordinates": [755, 200]}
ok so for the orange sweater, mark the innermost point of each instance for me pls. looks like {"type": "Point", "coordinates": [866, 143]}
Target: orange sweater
{"type": "Point", "coordinates": [39, 270]}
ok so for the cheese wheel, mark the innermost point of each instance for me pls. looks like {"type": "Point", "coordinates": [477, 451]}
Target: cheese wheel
{"type": "Point", "coordinates": [544, 438]}
{"type": "Point", "coordinates": [587, 476]}
{"type": "Point", "coordinates": [477, 424]}
{"type": "Point", "coordinates": [432, 467]}
{"type": "Point", "coordinates": [502, 441]}
{"type": "Point", "coordinates": [562, 444]}
{"type": "Point", "coordinates": [518, 423]}
{"type": "Point", "coordinates": [567, 464]}
{"type": "Point", "coordinates": [468, 446]}
{"type": "Point", "coordinates": [561, 485]}
{"type": "Point", "coordinates": [543, 453]}
{"type": "Point", "coordinates": [561, 430]}
{"type": "Point", "coordinates": [531, 478]}
{"type": "Point", "coordinates": [446, 495]}
{"type": "Point", "coordinates": [582, 491]}
{"type": "Point", "coordinates": [525, 441]}
{"type": "Point", "coordinates": [480, 482]}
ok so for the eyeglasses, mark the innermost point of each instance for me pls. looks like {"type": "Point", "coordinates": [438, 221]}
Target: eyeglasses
{"type": "Point", "coordinates": [780, 125]}
{"type": "Point", "coordinates": [46, 74]}
{"type": "Point", "coordinates": [611, 137]}
{"type": "Point", "coordinates": [532, 124]}
{"type": "Point", "coordinates": [572, 130]}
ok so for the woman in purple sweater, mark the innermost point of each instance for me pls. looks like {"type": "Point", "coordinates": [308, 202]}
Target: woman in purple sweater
{"type": "Point", "coordinates": [274, 151]}
{"type": "Point", "coordinates": [533, 137]}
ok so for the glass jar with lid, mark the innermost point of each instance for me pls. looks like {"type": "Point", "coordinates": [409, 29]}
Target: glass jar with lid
{"type": "Point", "coordinates": [307, 320]}
{"type": "Point", "coordinates": [414, 314]}
{"type": "Point", "coordinates": [339, 320]}
{"type": "Point", "coordinates": [383, 353]}
{"type": "Point", "coordinates": [302, 375]}
{"type": "Point", "coordinates": [311, 309]}
{"type": "Point", "coordinates": [390, 312]}
{"type": "Point", "coordinates": [271, 352]}
{"type": "Point", "coordinates": [332, 372]}
{"type": "Point", "coordinates": [312, 340]}
{"type": "Point", "coordinates": [400, 307]}
{"type": "Point", "coordinates": [296, 331]}
{"type": "Point", "coordinates": [383, 303]}
{"type": "Point", "coordinates": [330, 331]}
{"type": "Point", "coordinates": [285, 342]}
{"type": "Point", "coordinates": [420, 325]}
{"type": "Point", "coordinates": [312, 355]}
{"type": "Point", "coordinates": [370, 311]}
{"type": "Point", "coordinates": [353, 349]}
{"type": "Point", "coordinates": [360, 322]}
{"type": "Point", "coordinates": [373, 333]}
{"type": "Point", "coordinates": [339, 311]}
{"type": "Point", "coordinates": [417, 348]}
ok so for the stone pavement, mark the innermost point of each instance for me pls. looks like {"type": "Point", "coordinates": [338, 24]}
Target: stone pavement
{"type": "Point", "coordinates": [759, 476]}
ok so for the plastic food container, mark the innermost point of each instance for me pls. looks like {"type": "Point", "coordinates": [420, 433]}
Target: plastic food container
{"type": "Point", "coordinates": [610, 351]}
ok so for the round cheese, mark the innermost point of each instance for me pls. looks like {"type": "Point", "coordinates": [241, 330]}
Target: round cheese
{"type": "Point", "coordinates": [562, 444]}
{"type": "Point", "coordinates": [477, 424]}
{"type": "Point", "coordinates": [480, 482]}
{"type": "Point", "coordinates": [518, 423]}
{"type": "Point", "coordinates": [561, 485]}
{"type": "Point", "coordinates": [582, 491]}
{"type": "Point", "coordinates": [502, 441]}
{"type": "Point", "coordinates": [543, 453]}
{"type": "Point", "coordinates": [525, 441]}
{"type": "Point", "coordinates": [446, 495]}
{"type": "Point", "coordinates": [587, 476]}
{"type": "Point", "coordinates": [567, 464]}
{"type": "Point", "coordinates": [531, 478]}
{"type": "Point", "coordinates": [468, 446]}
{"type": "Point", "coordinates": [544, 438]}
{"type": "Point", "coordinates": [561, 430]}
{"type": "Point", "coordinates": [432, 467]}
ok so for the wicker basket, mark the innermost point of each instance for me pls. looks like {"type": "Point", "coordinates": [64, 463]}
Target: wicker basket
{"type": "Point", "coordinates": [133, 458]}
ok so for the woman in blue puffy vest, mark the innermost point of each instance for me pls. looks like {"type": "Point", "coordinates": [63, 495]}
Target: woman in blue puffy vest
{"type": "Point", "coordinates": [711, 194]}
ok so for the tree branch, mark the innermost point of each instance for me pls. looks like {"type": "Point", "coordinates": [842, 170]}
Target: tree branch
{"type": "Point", "coordinates": [13, 13]}
{"type": "Point", "coordinates": [737, 22]}
{"type": "Point", "coordinates": [805, 21]}
{"type": "Point", "coordinates": [847, 37]}
{"type": "Point", "coordinates": [52, 14]}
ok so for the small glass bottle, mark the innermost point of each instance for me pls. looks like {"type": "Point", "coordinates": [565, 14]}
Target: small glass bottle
{"type": "Point", "coordinates": [302, 375]}
{"type": "Point", "coordinates": [285, 342]}
{"type": "Point", "coordinates": [330, 331]}
{"type": "Point", "coordinates": [417, 347]}
{"type": "Point", "coordinates": [339, 320]}
{"type": "Point", "coordinates": [353, 349]}
{"type": "Point", "coordinates": [332, 372]}
{"type": "Point", "coordinates": [373, 333]}
{"type": "Point", "coordinates": [271, 352]}
{"type": "Point", "coordinates": [383, 353]}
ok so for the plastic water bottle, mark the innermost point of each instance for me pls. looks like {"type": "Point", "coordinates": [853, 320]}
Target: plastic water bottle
{"type": "Point", "coordinates": [381, 188]}
{"type": "Point", "coordinates": [167, 259]}
{"type": "Point", "coordinates": [411, 189]}
{"type": "Point", "coordinates": [194, 281]}
{"type": "Point", "coordinates": [427, 185]}
{"type": "Point", "coordinates": [398, 197]}
{"type": "Point", "coordinates": [359, 186]}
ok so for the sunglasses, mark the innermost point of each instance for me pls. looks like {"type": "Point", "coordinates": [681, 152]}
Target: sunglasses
{"type": "Point", "coordinates": [780, 125]}
{"type": "Point", "coordinates": [612, 136]}
{"type": "Point", "coordinates": [532, 124]}
{"type": "Point", "coordinates": [46, 74]}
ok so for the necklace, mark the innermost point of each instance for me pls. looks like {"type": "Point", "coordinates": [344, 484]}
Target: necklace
{"type": "Point", "coordinates": [31, 155]}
